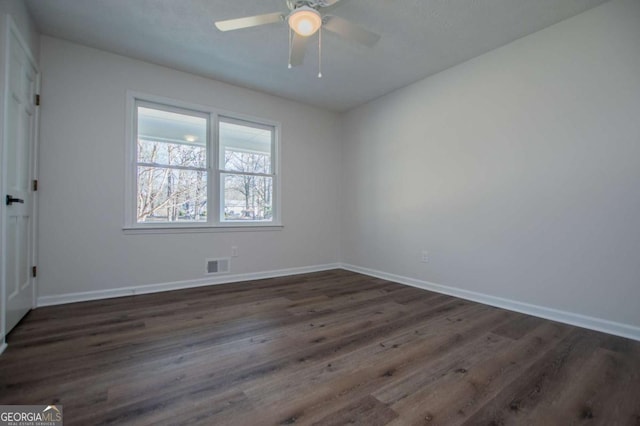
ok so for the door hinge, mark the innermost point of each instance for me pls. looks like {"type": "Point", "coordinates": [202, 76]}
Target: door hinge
{"type": "Point", "coordinates": [35, 184]}
{"type": "Point", "coordinates": [37, 100]}
{"type": "Point", "coordinates": [34, 271]}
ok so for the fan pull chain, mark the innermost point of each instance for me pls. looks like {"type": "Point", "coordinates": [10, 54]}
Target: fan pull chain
{"type": "Point", "coordinates": [320, 52]}
{"type": "Point", "coordinates": [290, 48]}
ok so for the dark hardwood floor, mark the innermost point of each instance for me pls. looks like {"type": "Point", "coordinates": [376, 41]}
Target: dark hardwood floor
{"type": "Point", "coordinates": [328, 348]}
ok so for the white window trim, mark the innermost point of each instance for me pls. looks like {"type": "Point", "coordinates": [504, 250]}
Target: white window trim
{"type": "Point", "coordinates": [213, 224]}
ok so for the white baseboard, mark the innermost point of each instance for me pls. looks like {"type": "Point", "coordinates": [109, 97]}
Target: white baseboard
{"type": "Point", "coordinates": [177, 285]}
{"type": "Point", "coordinates": [3, 347]}
{"type": "Point", "coordinates": [592, 323]}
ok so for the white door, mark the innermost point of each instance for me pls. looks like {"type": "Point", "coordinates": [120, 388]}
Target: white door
{"type": "Point", "coordinates": [17, 168]}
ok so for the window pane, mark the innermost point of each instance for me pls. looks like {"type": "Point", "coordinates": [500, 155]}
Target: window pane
{"type": "Point", "coordinates": [171, 138]}
{"type": "Point", "coordinates": [247, 197]}
{"type": "Point", "coordinates": [239, 161]}
{"type": "Point", "coordinates": [245, 148]}
{"type": "Point", "coordinates": [171, 195]}
{"type": "Point", "coordinates": [172, 154]}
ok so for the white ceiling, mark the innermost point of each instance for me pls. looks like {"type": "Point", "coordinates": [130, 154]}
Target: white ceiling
{"type": "Point", "coordinates": [419, 38]}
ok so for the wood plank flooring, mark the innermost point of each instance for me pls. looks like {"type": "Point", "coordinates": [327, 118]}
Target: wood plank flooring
{"type": "Point", "coordinates": [328, 348]}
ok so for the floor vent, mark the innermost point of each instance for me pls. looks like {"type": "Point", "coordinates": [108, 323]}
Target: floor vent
{"type": "Point", "coordinates": [217, 266]}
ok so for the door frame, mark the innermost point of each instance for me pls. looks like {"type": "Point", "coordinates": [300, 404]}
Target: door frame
{"type": "Point", "coordinates": [10, 28]}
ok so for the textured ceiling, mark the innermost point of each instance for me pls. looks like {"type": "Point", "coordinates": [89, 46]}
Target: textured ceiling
{"type": "Point", "coordinates": [419, 38]}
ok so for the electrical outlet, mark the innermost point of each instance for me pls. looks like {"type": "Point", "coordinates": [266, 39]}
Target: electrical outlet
{"type": "Point", "coordinates": [234, 251]}
{"type": "Point", "coordinates": [424, 258]}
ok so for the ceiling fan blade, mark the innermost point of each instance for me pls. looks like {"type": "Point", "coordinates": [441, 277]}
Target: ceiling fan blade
{"type": "Point", "coordinates": [249, 21]}
{"type": "Point", "coordinates": [350, 31]}
{"type": "Point", "coordinates": [298, 49]}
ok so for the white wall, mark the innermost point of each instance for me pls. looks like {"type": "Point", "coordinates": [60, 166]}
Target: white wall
{"type": "Point", "coordinates": [82, 246]}
{"type": "Point", "coordinates": [519, 171]}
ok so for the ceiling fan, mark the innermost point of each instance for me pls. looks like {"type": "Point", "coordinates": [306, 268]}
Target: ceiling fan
{"type": "Point", "coordinates": [305, 18]}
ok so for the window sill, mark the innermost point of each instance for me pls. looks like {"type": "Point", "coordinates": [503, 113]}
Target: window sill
{"type": "Point", "coordinates": [198, 229]}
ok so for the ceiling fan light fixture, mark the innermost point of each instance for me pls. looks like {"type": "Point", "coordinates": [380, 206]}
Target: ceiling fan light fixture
{"type": "Point", "coordinates": [305, 21]}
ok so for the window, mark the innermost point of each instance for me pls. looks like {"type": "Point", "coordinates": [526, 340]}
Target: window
{"type": "Point", "coordinates": [246, 170]}
{"type": "Point", "coordinates": [193, 167]}
{"type": "Point", "coordinates": [171, 167]}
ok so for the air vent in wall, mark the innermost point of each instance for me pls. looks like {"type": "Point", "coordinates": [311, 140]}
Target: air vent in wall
{"type": "Point", "coordinates": [217, 266]}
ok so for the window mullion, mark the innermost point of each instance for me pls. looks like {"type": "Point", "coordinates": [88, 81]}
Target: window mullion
{"type": "Point", "coordinates": [214, 176]}
{"type": "Point", "coordinates": [233, 172]}
{"type": "Point", "coordinates": [172, 166]}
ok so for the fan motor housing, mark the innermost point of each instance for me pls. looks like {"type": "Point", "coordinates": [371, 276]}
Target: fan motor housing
{"type": "Point", "coordinates": [315, 4]}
